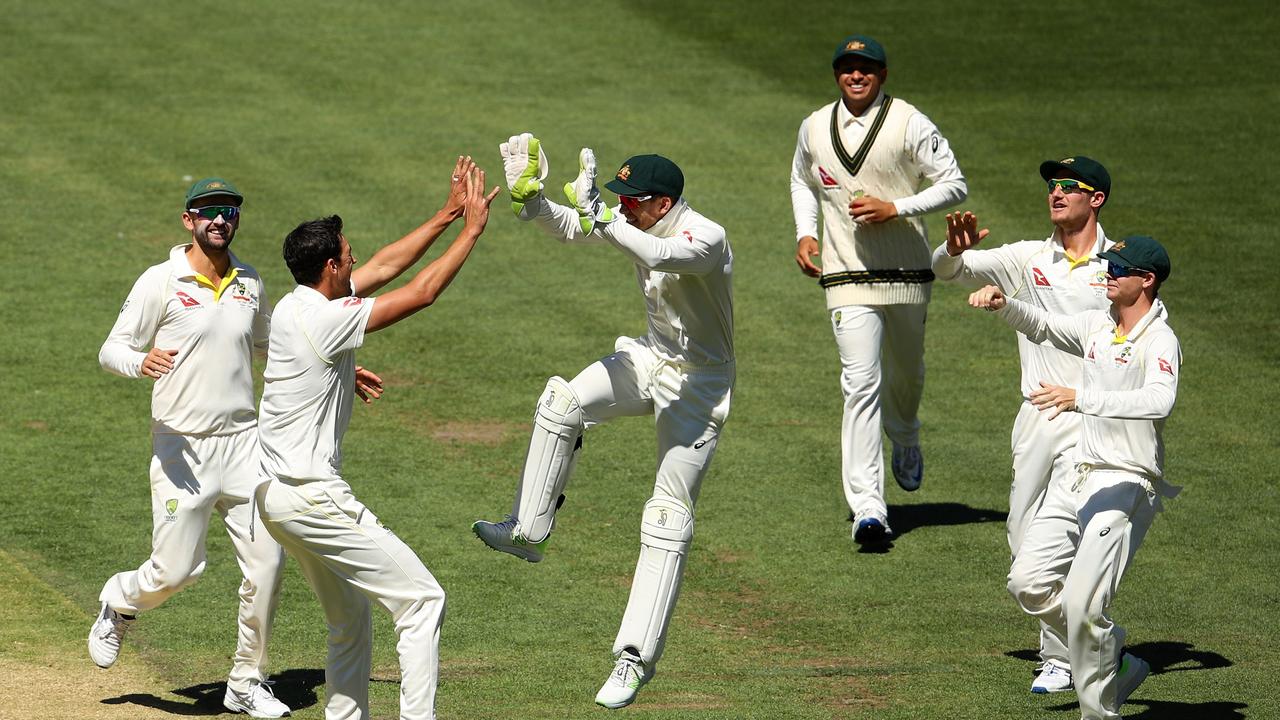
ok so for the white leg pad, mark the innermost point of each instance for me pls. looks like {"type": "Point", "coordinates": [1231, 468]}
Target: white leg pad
{"type": "Point", "coordinates": [553, 451]}
{"type": "Point", "coordinates": [665, 535]}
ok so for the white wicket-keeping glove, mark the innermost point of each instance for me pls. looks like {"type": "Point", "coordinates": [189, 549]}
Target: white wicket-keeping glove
{"type": "Point", "coordinates": [584, 196]}
{"type": "Point", "coordinates": [526, 167]}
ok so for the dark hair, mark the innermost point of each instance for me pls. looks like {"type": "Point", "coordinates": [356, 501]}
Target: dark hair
{"type": "Point", "coordinates": [310, 245]}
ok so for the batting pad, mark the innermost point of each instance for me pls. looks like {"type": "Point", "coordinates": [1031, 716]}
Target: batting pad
{"type": "Point", "coordinates": [553, 451]}
{"type": "Point", "coordinates": [665, 535]}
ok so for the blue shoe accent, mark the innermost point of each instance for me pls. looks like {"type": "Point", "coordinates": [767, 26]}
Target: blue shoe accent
{"type": "Point", "coordinates": [870, 531]}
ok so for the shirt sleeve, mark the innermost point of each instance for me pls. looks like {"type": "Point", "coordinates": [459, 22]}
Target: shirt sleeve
{"type": "Point", "coordinates": [560, 222]}
{"type": "Point", "coordinates": [1161, 361]}
{"type": "Point", "coordinates": [804, 196]}
{"type": "Point", "coordinates": [1000, 266]}
{"type": "Point", "coordinates": [694, 250]}
{"type": "Point", "coordinates": [931, 154]}
{"type": "Point", "coordinates": [339, 325]}
{"type": "Point", "coordinates": [135, 328]}
{"type": "Point", "coordinates": [1068, 333]}
{"type": "Point", "coordinates": [262, 322]}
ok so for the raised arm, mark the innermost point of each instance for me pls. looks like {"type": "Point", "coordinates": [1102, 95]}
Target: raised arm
{"type": "Point", "coordinates": [425, 288]}
{"type": "Point", "coordinates": [390, 261]}
{"type": "Point", "coordinates": [957, 260]}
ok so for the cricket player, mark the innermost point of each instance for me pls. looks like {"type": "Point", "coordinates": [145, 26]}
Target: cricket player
{"type": "Point", "coordinates": [681, 373]}
{"type": "Point", "coordinates": [1062, 275]}
{"type": "Point", "coordinates": [192, 324]}
{"type": "Point", "coordinates": [346, 554]}
{"type": "Point", "coordinates": [1093, 520]}
{"type": "Point", "coordinates": [860, 162]}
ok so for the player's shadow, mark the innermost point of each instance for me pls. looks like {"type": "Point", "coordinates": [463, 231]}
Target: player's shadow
{"type": "Point", "coordinates": [1164, 656]}
{"type": "Point", "coordinates": [905, 518]}
{"type": "Point", "coordinates": [295, 688]}
{"type": "Point", "coordinates": [1173, 710]}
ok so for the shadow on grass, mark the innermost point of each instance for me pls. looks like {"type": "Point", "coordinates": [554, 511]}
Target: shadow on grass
{"type": "Point", "coordinates": [1164, 656]}
{"type": "Point", "coordinates": [1172, 710]}
{"type": "Point", "coordinates": [905, 518]}
{"type": "Point", "coordinates": [295, 688]}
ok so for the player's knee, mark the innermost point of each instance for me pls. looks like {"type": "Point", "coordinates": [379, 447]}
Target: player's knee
{"type": "Point", "coordinates": [667, 525]}
{"type": "Point", "coordinates": [1031, 594]}
{"type": "Point", "coordinates": [559, 410]}
{"type": "Point", "coordinates": [169, 577]}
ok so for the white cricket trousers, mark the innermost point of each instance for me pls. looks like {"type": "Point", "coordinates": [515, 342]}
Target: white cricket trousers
{"type": "Point", "coordinates": [1069, 567]}
{"type": "Point", "coordinates": [1041, 449]}
{"type": "Point", "coordinates": [350, 559]}
{"type": "Point", "coordinates": [191, 476]}
{"type": "Point", "coordinates": [882, 378]}
{"type": "Point", "coordinates": [690, 406]}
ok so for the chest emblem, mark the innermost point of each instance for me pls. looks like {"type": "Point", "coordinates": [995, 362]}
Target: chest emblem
{"type": "Point", "coordinates": [825, 177]}
{"type": "Point", "coordinates": [1038, 276]}
{"type": "Point", "coordinates": [186, 300]}
{"type": "Point", "coordinates": [1125, 353]}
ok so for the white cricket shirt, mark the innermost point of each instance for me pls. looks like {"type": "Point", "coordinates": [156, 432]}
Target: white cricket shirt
{"type": "Point", "coordinates": [215, 330]}
{"type": "Point", "coordinates": [1129, 387]}
{"type": "Point", "coordinates": [1041, 273]}
{"type": "Point", "coordinates": [684, 266]}
{"type": "Point", "coordinates": [310, 384]}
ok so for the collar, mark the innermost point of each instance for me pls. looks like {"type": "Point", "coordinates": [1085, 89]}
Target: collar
{"type": "Point", "coordinates": [1100, 244]}
{"type": "Point", "coordinates": [673, 219]}
{"type": "Point", "coordinates": [846, 118]}
{"type": "Point", "coordinates": [181, 268]}
{"type": "Point", "coordinates": [309, 295]}
{"type": "Point", "coordinates": [1157, 310]}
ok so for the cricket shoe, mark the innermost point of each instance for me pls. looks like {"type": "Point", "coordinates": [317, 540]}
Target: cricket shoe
{"type": "Point", "coordinates": [258, 702]}
{"type": "Point", "coordinates": [908, 466]}
{"type": "Point", "coordinates": [505, 537]}
{"type": "Point", "coordinates": [1054, 677]}
{"type": "Point", "coordinates": [1133, 670]}
{"type": "Point", "coordinates": [628, 676]}
{"type": "Point", "coordinates": [871, 528]}
{"type": "Point", "coordinates": [106, 636]}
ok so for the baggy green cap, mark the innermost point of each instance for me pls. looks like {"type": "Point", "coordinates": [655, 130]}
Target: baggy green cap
{"type": "Point", "coordinates": [213, 186]}
{"type": "Point", "coordinates": [648, 174]}
{"type": "Point", "coordinates": [1142, 252]}
{"type": "Point", "coordinates": [861, 46]}
{"type": "Point", "coordinates": [1085, 168]}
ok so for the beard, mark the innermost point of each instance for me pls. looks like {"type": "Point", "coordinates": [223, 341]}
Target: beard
{"type": "Point", "coordinates": [215, 244]}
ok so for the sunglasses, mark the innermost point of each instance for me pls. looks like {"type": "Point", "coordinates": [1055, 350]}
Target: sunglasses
{"type": "Point", "coordinates": [1116, 270]}
{"type": "Point", "coordinates": [1070, 185]}
{"type": "Point", "coordinates": [631, 202]}
{"type": "Point", "coordinates": [228, 212]}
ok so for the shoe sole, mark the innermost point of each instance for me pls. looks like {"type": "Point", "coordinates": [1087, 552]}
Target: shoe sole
{"type": "Point", "coordinates": [615, 706]}
{"type": "Point", "coordinates": [1048, 691]}
{"type": "Point", "coordinates": [237, 708]}
{"type": "Point", "coordinates": [508, 549]}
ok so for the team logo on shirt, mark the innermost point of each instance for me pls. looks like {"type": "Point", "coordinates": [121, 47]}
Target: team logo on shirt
{"type": "Point", "coordinates": [825, 177]}
{"type": "Point", "coordinates": [171, 509]}
{"type": "Point", "coordinates": [1125, 354]}
{"type": "Point", "coordinates": [240, 291]}
{"type": "Point", "coordinates": [1040, 279]}
{"type": "Point", "coordinates": [186, 300]}
{"type": "Point", "coordinates": [1165, 366]}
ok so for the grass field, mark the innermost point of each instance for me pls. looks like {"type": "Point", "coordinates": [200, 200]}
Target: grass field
{"type": "Point", "coordinates": [107, 109]}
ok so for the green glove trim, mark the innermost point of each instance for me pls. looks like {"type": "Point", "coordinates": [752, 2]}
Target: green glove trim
{"type": "Point", "coordinates": [528, 185]}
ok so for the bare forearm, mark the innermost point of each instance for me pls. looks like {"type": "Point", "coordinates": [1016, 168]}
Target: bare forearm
{"type": "Point", "coordinates": [389, 262]}
{"type": "Point", "coordinates": [426, 287]}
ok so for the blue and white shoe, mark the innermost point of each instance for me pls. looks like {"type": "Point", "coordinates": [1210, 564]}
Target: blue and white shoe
{"type": "Point", "coordinates": [1054, 677]}
{"type": "Point", "coordinates": [871, 528]}
{"type": "Point", "coordinates": [908, 466]}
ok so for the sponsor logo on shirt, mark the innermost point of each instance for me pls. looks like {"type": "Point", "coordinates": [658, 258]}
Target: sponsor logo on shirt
{"type": "Point", "coordinates": [351, 301]}
{"type": "Point", "coordinates": [187, 300]}
{"type": "Point", "coordinates": [827, 180]}
{"type": "Point", "coordinates": [1165, 366]}
{"type": "Point", "coordinates": [687, 235]}
{"type": "Point", "coordinates": [1090, 356]}
{"type": "Point", "coordinates": [1040, 279]}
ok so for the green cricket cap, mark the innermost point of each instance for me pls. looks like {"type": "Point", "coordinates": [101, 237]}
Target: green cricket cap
{"type": "Point", "coordinates": [1085, 168]}
{"type": "Point", "coordinates": [1140, 251]}
{"type": "Point", "coordinates": [861, 46]}
{"type": "Point", "coordinates": [213, 186]}
{"type": "Point", "coordinates": [648, 174]}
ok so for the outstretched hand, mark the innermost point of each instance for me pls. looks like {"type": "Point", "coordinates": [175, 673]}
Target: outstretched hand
{"type": "Point", "coordinates": [988, 298]}
{"type": "Point", "coordinates": [1057, 398]}
{"type": "Point", "coordinates": [476, 209]}
{"type": "Point", "coordinates": [368, 385]}
{"type": "Point", "coordinates": [525, 166]}
{"type": "Point", "coordinates": [454, 204]}
{"type": "Point", "coordinates": [963, 232]}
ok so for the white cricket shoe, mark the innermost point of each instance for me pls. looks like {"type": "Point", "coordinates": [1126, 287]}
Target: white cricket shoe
{"type": "Point", "coordinates": [628, 676]}
{"type": "Point", "coordinates": [505, 537]}
{"type": "Point", "coordinates": [908, 466]}
{"type": "Point", "coordinates": [258, 702]}
{"type": "Point", "coordinates": [1133, 670]}
{"type": "Point", "coordinates": [106, 636]}
{"type": "Point", "coordinates": [1054, 677]}
{"type": "Point", "coordinates": [871, 528]}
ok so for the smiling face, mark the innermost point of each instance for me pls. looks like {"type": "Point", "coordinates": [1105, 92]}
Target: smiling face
{"type": "Point", "coordinates": [859, 80]}
{"type": "Point", "coordinates": [212, 235]}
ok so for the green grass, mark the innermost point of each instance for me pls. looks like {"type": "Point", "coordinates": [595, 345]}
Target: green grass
{"type": "Point", "coordinates": [314, 108]}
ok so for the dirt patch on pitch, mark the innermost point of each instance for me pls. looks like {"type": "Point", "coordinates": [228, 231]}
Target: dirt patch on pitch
{"type": "Point", "coordinates": [473, 433]}
{"type": "Point", "coordinates": [61, 687]}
